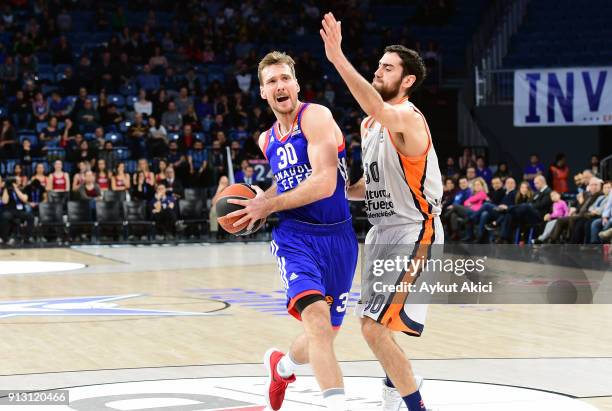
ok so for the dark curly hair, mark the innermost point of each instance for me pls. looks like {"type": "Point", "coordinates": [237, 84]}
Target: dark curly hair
{"type": "Point", "coordinates": [412, 63]}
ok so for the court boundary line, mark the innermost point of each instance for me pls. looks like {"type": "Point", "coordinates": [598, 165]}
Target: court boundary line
{"type": "Point", "coordinates": [352, 376]}
{"type": "Point", "coordinates": [256, 363]}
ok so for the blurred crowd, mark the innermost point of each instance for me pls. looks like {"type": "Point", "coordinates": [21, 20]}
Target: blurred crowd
{"type": "Point", "coordinates": [485, 204]}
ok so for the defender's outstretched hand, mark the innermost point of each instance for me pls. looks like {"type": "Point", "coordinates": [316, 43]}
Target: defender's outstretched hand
{"type": "Point", "coordinates": [332, 37]}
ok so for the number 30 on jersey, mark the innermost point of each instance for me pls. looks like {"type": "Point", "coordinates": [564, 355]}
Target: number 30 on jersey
{"type": "Point", "coordinates": [287, 155]}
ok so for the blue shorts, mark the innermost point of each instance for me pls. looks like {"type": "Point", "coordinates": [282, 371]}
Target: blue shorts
{"type": "Point", "coordinates": [316, 259]}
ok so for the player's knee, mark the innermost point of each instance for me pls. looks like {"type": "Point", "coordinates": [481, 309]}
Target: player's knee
{"type": "Point", "coordinates": [317, 321]}
{"type": "Point", "coordinates": [372, 331]}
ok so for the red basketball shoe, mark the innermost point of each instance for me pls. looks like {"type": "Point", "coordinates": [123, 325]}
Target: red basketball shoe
{"type": "Point", "coordinates": [277, 385]}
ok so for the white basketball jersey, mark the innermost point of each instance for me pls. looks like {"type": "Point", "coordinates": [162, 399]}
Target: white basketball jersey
{"type": "Point", "coordinates": [399, 189]}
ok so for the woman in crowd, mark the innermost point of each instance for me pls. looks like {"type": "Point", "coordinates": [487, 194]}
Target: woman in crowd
{"type": "Point", "coordinates": [559, 174]}
{"type": "Point", "coordinates": [120, 180]}
{"type": "Point", "coordinates": [39, 174]}
{"type": "Point", "coordinates": [79, 177]}
{"type": "Point", "coordinates": [59, 180]}
{"type": "Point", "coordinates": [103, 176]}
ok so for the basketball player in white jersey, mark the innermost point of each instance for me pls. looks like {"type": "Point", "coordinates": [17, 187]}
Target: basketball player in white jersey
{"type": "Point", "coordinates": [402, 187]}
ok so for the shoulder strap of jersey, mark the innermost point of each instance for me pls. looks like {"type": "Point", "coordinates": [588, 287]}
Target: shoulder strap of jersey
{"type": "Point", "coordinates": [302, 109]}
{"type": "Point", "coordinates": [267, 141]}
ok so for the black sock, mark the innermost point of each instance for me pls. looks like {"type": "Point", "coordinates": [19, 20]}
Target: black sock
{"type": "Point", "coordinates": [388, 382]}
{"type": "Point", "coordinates": [414, 402]}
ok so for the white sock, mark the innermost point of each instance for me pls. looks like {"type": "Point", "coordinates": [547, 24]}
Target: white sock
{"type": "Point", "coordinates": [335, 399]}
{"type": "Point", "coordinates": [286, 366]}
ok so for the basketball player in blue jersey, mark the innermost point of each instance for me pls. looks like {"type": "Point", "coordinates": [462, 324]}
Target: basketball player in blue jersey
{"type": "Point", "coordinates": [402, 186]}
{"type": "Point", "coordinates": [314, 243]}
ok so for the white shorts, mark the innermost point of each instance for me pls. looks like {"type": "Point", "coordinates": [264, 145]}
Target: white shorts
{"type": "Point", "coordinates": [408, 242]}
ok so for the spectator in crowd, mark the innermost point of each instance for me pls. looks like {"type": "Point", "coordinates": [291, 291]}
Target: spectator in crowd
{"type": "Point", "coordinates": [69, 85]}
{"type": "Point", "coordinates": [108, 155]}
{"type": "Point", "coordinates": [177, 159]}
{"type": "Point", "coordinates": [40, 174]}
{"type": "Point", "coordinates": [67, 133]}
{"type": "Point", "coordinates": [603, 223]}
{"type": "Point", "coordinates": [147, 80]}
{"type": "Point", "coordinates": [559, 174]}
{"type": "Point", "coordinates": [191, 118]}
{"type": "Point", "coordinates": [88, 118]}
{"type": "Point", "coordinates": [163, 211]}
{"type": "Point", "coordinates": [218, 161]}
{"type": "Point", "coordinates": [502, 171]}
{"type": "Point", "coordinates": [187, 138]}
{"type": "Point", "coordinates": [14, 212]}
{"type": "Point", "coordinates": [172, 183]}
{"type": "Point", "coordinates": [111, 118]}
{"type": "Point", "coordinates": [59, 180]}
{"type": "Point", "coordinates": [26, 155]}
{"type": "Point", "coordinates": [50, 133]}
{"type": "Point", "coordinates": [531, 213]}
{"type": "Point", "coordinates": [40, 107]}
{"type": "Point", "coordinates": [36, 193]}
{"type": "Point", "coordinates": [9, 74]}
{"type": "Point", "coordinates": [158, 61]}
{"type": "Point", "coordinates": [90, 190]}
{"type": "Point", "coordinates": [594, 166]}
{"type": "Point", "coordinates": [8, 140]}
{"type": "Point", "coordinates": [470, 173]}
{"type": "Point", "coordinates": [59, 107]}
{"type": "Point", "coordinates": [79, 178]}
{"type": "Point", "coordinates": [136, 136]}
{"type": "Point", "coordinates": [468, 209]}
{"type": "Point", "coordinates": [451, 170]}
{"type": "Point", "coordinates": [162, 165]}
{"type": "Point", "coordinates": [248, 177]}
{"type": "Point", "coordinates": [449, 192]}
{"type": "Point", "coordinates": [492, 217]}
{"type": "Point", "coordinates": [172, 119]}
{"type": "Point", "coordinates": [203, 107]}
{"type": "Point", "coordinates": [183, 101]}
{"type": "Point", "coordinates": [143, 165]}
{"type": "Point", "coordinates": [482, 170]}
{"type": "Point", "coordinates": [581, 231]}
{"type": "Point", "coordinates": [198, 163]}
{"type": "Point", "coordinates": [251, 148]}
{"type": "Point", "coordinates": [559, 210]}
{"type": "Point", "coordinates": [468, 158]}
{"type": "Point", "coordinates": [85, 152]}
{"type": "Point", "coordinates": [21, 111]}
{"type": "Point", "coordinates": [533, 169]}
{"type": "Point", "coordinates": [19, 176]}
{"type": "Point", "coordinates": [61, 52]}
{"type": "Point", "coordinates": [103, 176]}
{"type": "Point", "coordinates": [158, 139]}
{"type": "Point", "coordinates": [120, 179]}
{"type": "Point", "coordinates": [143, 105]}
{"type": "Point", "coordinates": [142, 189]}
{"type": "Point", "coordinates": [567, 224]}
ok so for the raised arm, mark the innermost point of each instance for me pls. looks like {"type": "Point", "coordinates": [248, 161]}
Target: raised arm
{"type": "Point", "coordinates": [413, 139]}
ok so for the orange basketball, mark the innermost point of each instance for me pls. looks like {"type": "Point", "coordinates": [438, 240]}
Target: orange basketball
{"type": "Point", "coordinates": [238, 192]}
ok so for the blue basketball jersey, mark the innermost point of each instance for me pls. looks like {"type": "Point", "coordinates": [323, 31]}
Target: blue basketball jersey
{"type": "Point", "coordinates": [288, 158]}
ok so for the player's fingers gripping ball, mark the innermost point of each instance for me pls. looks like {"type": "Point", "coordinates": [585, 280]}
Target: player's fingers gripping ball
{"type": "Point", "coordinates": [224, 207]}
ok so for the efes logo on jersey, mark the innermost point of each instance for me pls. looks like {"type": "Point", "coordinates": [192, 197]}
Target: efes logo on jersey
{"type": "Point", "coordinates": [329, 300]}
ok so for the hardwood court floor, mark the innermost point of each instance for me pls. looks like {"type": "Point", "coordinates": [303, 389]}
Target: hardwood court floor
{"type": "Point", "coordinates": [549, 347]}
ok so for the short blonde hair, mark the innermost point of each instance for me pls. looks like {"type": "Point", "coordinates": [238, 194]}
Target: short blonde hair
{"type": "Point", "coordinates": [275, 57]}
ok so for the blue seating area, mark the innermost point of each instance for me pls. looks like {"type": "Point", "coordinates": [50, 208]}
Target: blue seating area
{"type": "Point", "coordinates": [563, 33]}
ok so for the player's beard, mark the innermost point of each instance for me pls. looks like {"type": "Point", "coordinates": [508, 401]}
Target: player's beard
{"type": "Point", "coordinates": [387, 92]}
{"type": "Point", "coordinates": [285, 111]}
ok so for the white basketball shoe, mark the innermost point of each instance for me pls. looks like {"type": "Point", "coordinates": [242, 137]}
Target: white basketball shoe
{"type": "Point", "coordinates": [391, 399]}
